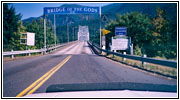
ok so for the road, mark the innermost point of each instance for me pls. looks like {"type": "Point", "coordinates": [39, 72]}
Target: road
{"type": "Point", "coordinates": [74, 64]}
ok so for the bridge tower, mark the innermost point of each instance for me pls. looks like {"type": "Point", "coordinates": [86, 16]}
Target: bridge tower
{"type": "Point", "coordinates": [83, 33]}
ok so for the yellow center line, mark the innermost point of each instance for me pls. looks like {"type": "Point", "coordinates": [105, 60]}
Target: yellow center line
{"type": "Point", "coordinates": [33, 84]}
{"type": "Point", "coordinates": [44, 76]}
{"type": "Point", "coordinates": [35, 88]}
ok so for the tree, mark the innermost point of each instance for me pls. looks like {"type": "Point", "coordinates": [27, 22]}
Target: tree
{"type": "Point", "coordinates": [137, 28]}
{"type": "Point", "coordinates": [164, 37]}
{"type": "Point", "coordinates": [15, 40]}
{"type": "Point", "coordinates": [37, 27]}
{"type": "Point", "coordinates": [10, 25]}
{"type": "Point", "coordinates": [154, 37]}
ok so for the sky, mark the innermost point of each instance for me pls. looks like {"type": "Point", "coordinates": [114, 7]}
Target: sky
{"type": "Point", "coordinates": [36, 9]}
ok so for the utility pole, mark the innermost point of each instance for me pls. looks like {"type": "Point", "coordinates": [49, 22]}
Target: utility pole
{"type": "Point", "coordinates": [73, 33]}
{"type": "Point", "coordinates": [100, 26]}
{"type": "Point", "coordinates": [54, 30]}
{"type": "Point", "coordinates": [44, 33]}
{"type": "Point", "coordinates": [67, 29]}
{"type": "Point", "coordinates": [68, 32]}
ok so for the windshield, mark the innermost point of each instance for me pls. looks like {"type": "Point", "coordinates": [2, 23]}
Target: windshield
{"type": "Point", "coordinates": [89, 47]}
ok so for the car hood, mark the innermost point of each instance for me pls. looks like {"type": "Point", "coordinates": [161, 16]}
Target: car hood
{"type": "Point", "coordinates": [112, 89]}
{"type": "Point", "coordinates": [105, 94]}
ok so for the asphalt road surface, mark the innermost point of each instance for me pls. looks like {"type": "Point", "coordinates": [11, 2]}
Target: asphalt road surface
{"type": "Point", "coordinates": [74, 64]}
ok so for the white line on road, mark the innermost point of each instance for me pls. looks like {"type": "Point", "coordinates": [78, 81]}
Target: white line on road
{"type": "Point", "coordinates": [77, 48]}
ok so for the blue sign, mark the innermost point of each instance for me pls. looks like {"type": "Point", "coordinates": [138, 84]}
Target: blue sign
{"type": "Point", "coordinates": [121, 31]}
{"type": "Point", "coordinates": [71, 10]}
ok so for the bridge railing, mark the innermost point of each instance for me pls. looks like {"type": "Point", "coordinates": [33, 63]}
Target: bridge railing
{"type": "Point", "coordinates": [49, 48]}
{"type": "Point", "coordinates": [168, 63]}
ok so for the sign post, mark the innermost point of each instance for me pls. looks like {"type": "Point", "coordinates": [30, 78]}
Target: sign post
{"type": "Point", "coordinates": [104, 42]}
{"type": "Point", "coordinates": [104, 31]}
{"type": "Point", "coordinates": [104, 18]}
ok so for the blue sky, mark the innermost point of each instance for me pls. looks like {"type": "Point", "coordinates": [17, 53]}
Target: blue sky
{"type": "Point", "coordinates": [36, 9]}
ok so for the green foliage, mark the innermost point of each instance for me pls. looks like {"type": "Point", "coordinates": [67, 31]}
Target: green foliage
{"type": "Point", "coordinates": [137, 28]}
{"type": "Point", "coordinates": [164, 36]}
{"type": "Point", "coordinates": [15, 41]}
{"type": "Point", "coordinates": [137, 50]}
{"type": "Point", "coordinates": [37, 27]}
{"type": "Point", "coordinates": [154, 37]}
{"type": "Point", "coordinates": [13, 27]}
{"type": "Point", "coordinates": [10, 26]}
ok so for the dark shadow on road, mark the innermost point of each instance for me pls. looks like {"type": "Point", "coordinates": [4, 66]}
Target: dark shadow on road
{"type": "Point", "coordinates": [111, 86]}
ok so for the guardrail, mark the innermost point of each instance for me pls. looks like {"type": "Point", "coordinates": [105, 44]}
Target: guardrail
{"type": "Point", "coordinates": [143, 59]}
{"type": "Point", "coordinates": [42, 51]}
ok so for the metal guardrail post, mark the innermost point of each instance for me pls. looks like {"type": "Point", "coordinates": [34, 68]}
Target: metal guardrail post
{"type": "Point", "coordinates": [12, 56]}
{"type": "Point", "coordinates": [29, 52]}
{"type": "Point", "coordinates": [144, 63]}
{"type": "Point", "coordinates": [42, 51]}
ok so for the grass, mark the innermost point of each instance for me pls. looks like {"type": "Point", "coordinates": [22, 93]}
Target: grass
{"type": "Point", "coordinates": [153, 68]}
{"type": "Point", "coordinates": [163, 58]}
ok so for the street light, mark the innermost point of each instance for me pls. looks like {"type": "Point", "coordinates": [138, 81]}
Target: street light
{"type": "Point", "coordinates": [68, 27]}
{"type": "Point", "coordinates": [74, 33]}
{"type": "Point", "coordinates": [54, 30]}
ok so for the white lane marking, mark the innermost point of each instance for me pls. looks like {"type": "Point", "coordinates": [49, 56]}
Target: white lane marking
{"type": "Point", "coordinates": [72, 51]}
{"type": "Point", "coordinates": [77, 48]}
{"type": "Point", "coordinates": [65, 50]}
{"type": "Point", "coordinates": [80, 49]}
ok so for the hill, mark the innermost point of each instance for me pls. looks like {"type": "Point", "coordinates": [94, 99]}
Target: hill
{"type": "Point", "coordinates": [50, 17]}
{"type": "Point", "coordinates": [146, 8]}
{"type": "Point", "coordinates": [119, 8]}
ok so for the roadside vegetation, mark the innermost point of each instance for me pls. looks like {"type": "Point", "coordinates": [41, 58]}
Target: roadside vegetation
{"type": "Point", "coordinates": [152, 68]}
{"type": "Point", "coordinates": [151, 36]}
{"type": "Point", "coordinates": [154, 36]}
{"type": "Point", "coordinates": [13, 27]}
